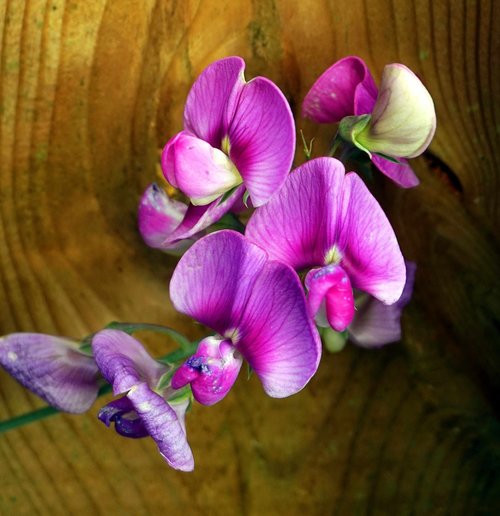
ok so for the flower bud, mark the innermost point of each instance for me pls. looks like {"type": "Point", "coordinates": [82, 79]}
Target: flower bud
{"type": "Point", "coordinates": [403, 120]}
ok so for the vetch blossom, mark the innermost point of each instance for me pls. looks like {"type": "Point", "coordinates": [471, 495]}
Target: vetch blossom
{"type": "Point", "coordinates": [234, 132]}
{"type": "Point", "coordinates": [53, 368]}
{"type": "Point", "coordinates": [398, 121]}
{"type": "Point", "coordinates": [328, 221]}
{"type": "Point", "coordinates": [146, 409]}
{"type": "Point", "coordinates": [257, 308]}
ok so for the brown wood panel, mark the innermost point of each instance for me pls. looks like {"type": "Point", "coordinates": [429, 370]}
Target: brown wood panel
{"type": "Point", "coordinates": [89, 93]}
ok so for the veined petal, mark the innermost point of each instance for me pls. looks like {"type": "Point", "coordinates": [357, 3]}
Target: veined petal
{"type": "Point", "coordinates": [213, 279]}
{"type": "Point", "coordinates": [212, 99]}
{"type": "Point", "coordinates": [376, 324]}
{"type": "Point", "coordinates": [163, 425]}
{"type": "Point", "coordinates": [330, 285]}
{"type": "Point", "coordinates": [123, 361]}
{"type": "Point", "coordinates": [401, 173]}
{"type": "Point", "coordinates": [52, 368]}
{"type": "Point", "coordinates": [159, 216]}
{"type": "Point", "coordinates": [211, 371]}
{"type": "Point", "coordinates": [370, 251]}
{"type": "Point", "coordinates": [261, 138]}
{"type": "Point", "coordinates": [299, 224]}
{"type": "Point", "coordinates": [276, 335]}
{"type": "Point", "coordinates": [199, 170]}
{"type": "Point", "coordinates": [344, 89]}
{"type": "Point", "coordinates": [403, 119]}
{"type": "Point", "coordinates": [198, 218]}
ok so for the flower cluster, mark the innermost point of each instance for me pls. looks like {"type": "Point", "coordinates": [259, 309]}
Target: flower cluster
{"type": "Point", "coordinates": [318, 259]}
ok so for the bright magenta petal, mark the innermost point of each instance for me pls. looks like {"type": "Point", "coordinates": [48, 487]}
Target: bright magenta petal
{"type": "Point", "coordinates": [298, 226]}
{"type": "Point", "coordinates": [52, 368]}
{"type": "Point", "coordinates": [332, 96]}
{"type": "Point", "coordinates": [370, 251]}
{"type": "Point", "coordinates": [262, 139]}
{"type": "Point", "coordinates": [212, 99]}
{"type": "Point", "coordinates": [401, 173]}
{"type": "Point", "coordinates": [123, 361]}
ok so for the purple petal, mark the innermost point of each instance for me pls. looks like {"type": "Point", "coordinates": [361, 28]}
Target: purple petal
{"type": "Point", "coordinates": [331, 285]}
{"type": "Point", "coordinates": [198, 218]}
{"type": "Point", "coordinates": [401, 173]}
{"type": "Point", "coordinates": [262, 139]}
{"type": "Point", "coordinates": [376, 324]}
{"type": "Point", "coordinates": [276, 335]}
{"type": "Point", "coordinates": [298, 226]}
{"type": "Point", "coordinates": [159, 216]}
{"type": "Point", "coordinates": [121, 412]}
{"type": "Point", "coordinates": [123, 361]}
{"type": "Point", "coordinates": [163, 425]}
{"type": "Point", "coordinates": [369, 248]}
{"type": "Point", "coordinates": [200, 171]}
{"type": "Point", "coordinates": [212, 281]}
{"type": "Point", "coordinates": [346, 87]}
{"type": "Point", "coordinates": [211, 371]}
{"type": "Point", "coordinates": [212, 99]}
{"type": "Point", "coordinates": [51, 367]}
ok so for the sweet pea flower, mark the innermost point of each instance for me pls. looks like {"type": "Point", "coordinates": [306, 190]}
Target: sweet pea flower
{"type": "Point", "coordinates": [146, 409]}
{"type": "Point", "coordinates": [328, 221]}
{"type": "Point", "coordinates": [258, 310]}
{"type": "Point", "coordinates": [53, 368]}
{"type": "Point", "coordinates": [237, 135]}
{"type": "Point", "coordinates": [398, 121]}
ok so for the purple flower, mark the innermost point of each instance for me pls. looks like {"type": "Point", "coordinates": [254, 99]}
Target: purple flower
{"type": "Point", "coordinates": [328, 220]}
{"type": "Point", "coordinates": [258, 309]}
{"type": "Point", "coordinates": [236, 134]}
{"type": "Point", "coordinates": [53, 368]}
{"type": "Point", "coordinates": [376, 324]}
{"type": "Point", "coordinates": [145, 409]}
{"type": "Point", "coordinates": [398, 121]}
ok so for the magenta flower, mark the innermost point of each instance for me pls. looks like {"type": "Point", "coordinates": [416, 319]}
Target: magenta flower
{"type": "Point", "coordinates": [53, 368]}
{"type": "Point", "coordinates": [400, 119]}
{"type": "Point", "coordinates": [146, 409]}
{"type": "Point", "coordinates": [236, 134]}
{"type": "Point", "coordinates": [258, 309]}
{"type": "Point", "coordinates": [327, 220]}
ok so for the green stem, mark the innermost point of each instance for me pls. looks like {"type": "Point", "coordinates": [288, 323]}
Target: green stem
{"type": "Point", "coordinates": [44, 412]}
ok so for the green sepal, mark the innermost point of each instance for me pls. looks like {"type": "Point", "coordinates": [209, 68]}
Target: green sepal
{"type": "Point", "coordinates": [307, 148]}
{"type": "Point", "coordinates": [351, 126]}
{"type": "Point", "coordinates": [246, 196]}
{"type": "Point", "coordinates": [334, 341]}
{"type": "Point", "coordinates": [388, 158]}
{"type": "Point", "coordinates": [227, 194]}
{"type": "Point", "coordinates": [165, 380]}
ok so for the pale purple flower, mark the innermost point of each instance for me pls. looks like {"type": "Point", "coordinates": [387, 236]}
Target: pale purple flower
{"type": "Point", "coordinates": [53, 368]}
{"type": "Point", "coordinates": [400, 119]}
{"type": "Point", "coordinates": [327, 220]}
{"type": "Point", "coordinates": [237, 134]}
{"type": "Point", "coordinates": [257, 308]}
{"type": "Point", "coordinates": [144, 409]}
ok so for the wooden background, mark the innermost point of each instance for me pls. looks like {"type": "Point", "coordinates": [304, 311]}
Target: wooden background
{"type": "Point", "coordinates": [90, 90]}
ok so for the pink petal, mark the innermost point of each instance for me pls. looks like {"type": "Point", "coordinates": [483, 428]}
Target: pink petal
{"type": "Point", "coordinates": [401, 173]}
{"type": "Point", "coordinates": [212, 98]}
{"type": "Point", "coordinates": [276, 335]}
{"type": "Point", "coordinates": [298, 226]}
{"type": "Point", "coordinates": [163, 425]}
{"type": "Point", "coordinates": [52, 368]}
{"type": "Point", "coordinates": [370, 251]}
{"type": "Point", "coordinates": [376, 324]}
{"type": "Point", "coordinates": [200, 171]}
{"type": "Point", "coordinates": [211, 371]}
{"type": "Point", "coordinates": [123, 361]}
{"type": "Point", "coordinates": [262, 139]}
{"type": "Point", "coordinates": [212, 281]}
{"type": "Point", "coordinates": [331, 285]}
{"type": "Point", "coordinates": [159, 216]}
{"type": "Point", "coordinates": [332, 96]}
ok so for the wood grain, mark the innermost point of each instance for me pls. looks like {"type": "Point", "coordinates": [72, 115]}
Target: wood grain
{"type": "Point", "coordinates": [89, 92]}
